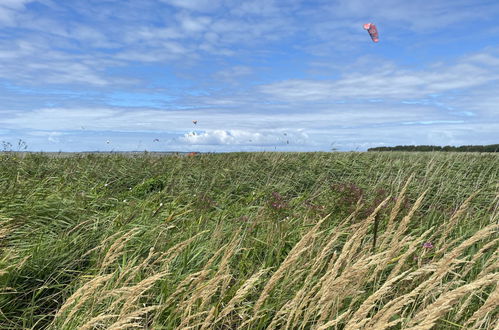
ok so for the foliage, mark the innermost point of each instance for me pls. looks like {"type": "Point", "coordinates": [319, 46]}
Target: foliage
{"type": "Point", "coordinates": [476, 148]}
{"type": "Point", "coordinates": [249, 241]}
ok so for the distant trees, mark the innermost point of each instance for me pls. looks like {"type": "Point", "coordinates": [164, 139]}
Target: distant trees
{"type": "Point", "coordinates": [477, 148]}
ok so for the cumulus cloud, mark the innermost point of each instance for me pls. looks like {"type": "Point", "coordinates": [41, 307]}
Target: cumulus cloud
{"type": "Point", "coordinates": [246, 137]}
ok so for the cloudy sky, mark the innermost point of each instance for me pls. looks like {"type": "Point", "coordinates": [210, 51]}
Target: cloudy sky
{"type": "Point", "coordinates": [285, 75]}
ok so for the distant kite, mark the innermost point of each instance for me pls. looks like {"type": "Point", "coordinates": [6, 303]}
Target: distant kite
{"type": "Point", "coordinates": [155, 140]}
{"type": "Point", "coordinates": [194, 122]}
{"type": "Point", "coordinates": [372, 30]}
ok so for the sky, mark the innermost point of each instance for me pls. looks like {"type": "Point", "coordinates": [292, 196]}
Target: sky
{"type": "Point", "coordinates": [259, 75]}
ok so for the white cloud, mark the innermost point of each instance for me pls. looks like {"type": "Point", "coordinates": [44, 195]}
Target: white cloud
{"type": "Point", "coordinates": [391, 82]}
{"type": "Point", "coordinates": [9, 11]}
{"type": "Point", "coordinates": [196, 5]}
{"type": "Point", "coordinates": [246, 137]}
{"type": "Point", "coordinates": [416, 15]}
{"type": "Point", "coordinates": [233, 74]}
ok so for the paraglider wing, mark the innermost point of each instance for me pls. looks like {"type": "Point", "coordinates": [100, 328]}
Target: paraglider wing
{"type": "Point", "coordinates": [372, 30]}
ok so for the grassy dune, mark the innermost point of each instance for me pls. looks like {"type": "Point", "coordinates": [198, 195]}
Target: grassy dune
{"type": "Point", "coordinates": [250, 241]}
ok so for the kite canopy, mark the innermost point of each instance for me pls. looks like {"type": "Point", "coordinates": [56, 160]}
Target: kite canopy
{"type": "Point", "coordinates": [194, 122]}
{"type": "Point", "coordinates": [373, 31]}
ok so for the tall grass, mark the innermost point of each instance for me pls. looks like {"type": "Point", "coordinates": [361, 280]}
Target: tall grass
{"type": "Point", "coordinates": [249, 241]}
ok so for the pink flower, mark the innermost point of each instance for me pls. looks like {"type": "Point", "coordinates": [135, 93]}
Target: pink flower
{"type": "Point", "coordinates": [428, 245]}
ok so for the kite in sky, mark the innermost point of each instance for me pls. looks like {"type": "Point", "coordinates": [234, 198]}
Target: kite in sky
{"type": "Point", "coordinates": [373, 31]}
{"type": "Point", "coordinates": [194, 122]}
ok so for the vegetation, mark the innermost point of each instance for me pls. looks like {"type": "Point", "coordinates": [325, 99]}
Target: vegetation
{"type": "Point", "coordinates": [487, 148]}
{"type": "Point", "coordinates": [249, 241]}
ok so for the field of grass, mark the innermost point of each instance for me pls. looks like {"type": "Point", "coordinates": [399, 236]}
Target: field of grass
{"type": "Point", "coordinates": [250, 241]}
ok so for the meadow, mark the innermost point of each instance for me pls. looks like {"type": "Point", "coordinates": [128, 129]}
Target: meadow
{"type": "Point", "coordinates": [250, 241]}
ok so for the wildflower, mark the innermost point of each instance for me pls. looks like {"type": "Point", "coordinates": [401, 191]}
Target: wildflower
{"type": "Point", "coordinates": [106, 184]}
{"type": "Point", "coordinates": [278, 202]}
{"type": "Point", "coordinates": [428, 245]}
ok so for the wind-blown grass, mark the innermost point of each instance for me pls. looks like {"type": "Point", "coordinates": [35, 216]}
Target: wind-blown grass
{"type": "Point", "coordinates": [249, 241]}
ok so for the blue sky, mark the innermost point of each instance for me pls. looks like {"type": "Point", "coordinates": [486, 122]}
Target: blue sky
{"type": "Point", "coordinates": [285, 75]}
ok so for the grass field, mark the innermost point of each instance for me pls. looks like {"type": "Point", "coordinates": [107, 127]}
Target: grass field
{"type": "Point", "coordinates": [250, 241]}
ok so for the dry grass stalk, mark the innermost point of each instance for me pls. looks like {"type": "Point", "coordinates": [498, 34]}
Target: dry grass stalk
{"type": "Point", "coordinates": [494, 215]}
{"type": "Point", "coordinates": [334, 322]}
{"type": "Point", "coordinates": [446, 263]}
{"type": "Point", "coordinates": [6, 269]}
{"type": "Point", "coordinates": [247, 286]}
{"type": "Point", "coordinates": [186, 284]}
{"type": "Point", "coordinates": [208, 322]}
{"type": "Point", "coordinates": [175, 250]}
{"type": "Point", "coordinates": [204, 293]}
{"type": "Point", "coordinates": [280, 316]}
{"type": "Point", "coordinates": [478, 255]}
{"type": "Point", "coordinates": [94, 321]}
{"type": "Point", "coordinates": [102, 245]}
{"type": "Point", "coordinates": [360, 236]}
{"type": "Point", "coordinates": [132, 272]}
{"type": "Point", "coordinates": [427, 318]}
{"type": "Point", "coordinates": [123, 322]}
{"type": "Point", "coordinates": [116, 249]}
{"type": "Point", "coordinates": [81, 224]}
{"type": "Point", "coordinates": [394, 212]}
{"type": "Point", "coordinates": [138, 290]}
{"type": "Point", "coordinates": [307, 293]}
{"type": "Point", "coordinates": [451, 224]}
{"type": "Point", "coordinates": [491, 265]}
{"type": "Point", "coordinates": [335, 266]}
{"type": "Point", "coordinates": [293, 255]}
{"type": "Point", "coordinates": [327, 280]}
{"type": "Point", "coordinates": [274, 279]}
{"type": "Point", "coordinates": [188, 320]}
{"type": "Point", "coordinates": [81, 296]}
{"type": "Point", "coordinates": [413, 246]}
{"type": "Point", "coordinates": [349, 283]}
{"type": "Point", "coordinates": [490, 304]}
{"type": "Point", "coordinates": [190, 281]}
{"type": "Point", "coordinates": [320, 261]}
{"type": "Point", "coordinates": [359, 318]}
{"type": "Point", "coordinates": [128, 326]}
{"type": "Point", "coordinates": [6, 227]}
{"type": "Point", "coordinates": [402, 227]}
{"type": "Point", "coordinates": [246, 324]}
{"type": "Point", "coordinates": [199, 277]}
{"type": "Point", "coordinates": [205, 290]}
{"type": "Point", "coordinates": [381, 319]}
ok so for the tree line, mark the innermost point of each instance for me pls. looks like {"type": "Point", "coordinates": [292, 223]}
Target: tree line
{"type": "Point", "coordinates": [476, 148]}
